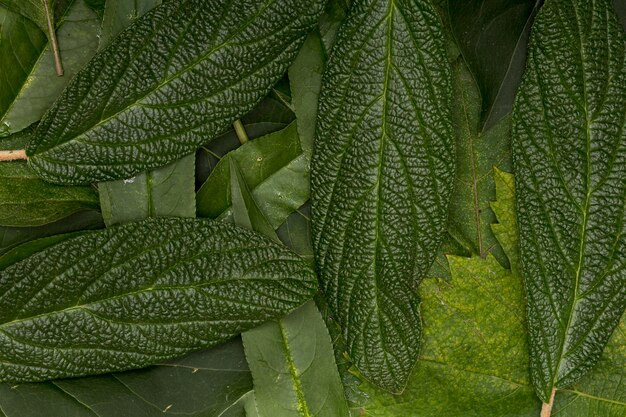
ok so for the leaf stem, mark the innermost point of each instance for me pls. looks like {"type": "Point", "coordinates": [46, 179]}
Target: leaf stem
{"type": "Point", "coordinates": [546, 409]}
{"type": "Point", "coordinates": [13, 155]}
{"type": "Point", "coordinates": [52, 36]}
{"type": "Point", "coordinates": [240, 130]}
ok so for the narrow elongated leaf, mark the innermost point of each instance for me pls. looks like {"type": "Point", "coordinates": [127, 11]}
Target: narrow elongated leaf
{"type": "Point", "coordinates": [569, 152]}
{"type": "Point", "coordinates": [133, 295]}
{"type": "Point", "coordinates": [293, 367]}
{"type": "Point", "coordinates": [276, 171]}
{"type": "Point", "coordinates": [211, 383]}
{"type": "Point", "coordinates": [382, 175]}
{"type": "Point", "coordinates": [31, 85]}
{"type": "Point", "coordinates": [477, 153]}
{"type": "Point", "coordinates": [493, 36]}
{"type": "Point", "coordinates": [175, 79]}
{"type": "Point", "coordinates": [26, 200]}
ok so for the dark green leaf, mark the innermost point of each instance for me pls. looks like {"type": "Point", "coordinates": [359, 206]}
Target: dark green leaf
{"type": "Point", "coordinates": [31, 83]}
{"type": "Point", "coordinates": [211, 383]}
{"type": "Point", "coordinates": [132, 295]}
{"type": "Point", "coordinates": [276, 172]}
{"type": "Point", "coordinates": [164, 192]}
{"type": "Point", "coordinates": [25, 200]}
{"type": "Point", "coordinates": [119, 14]}
{"type": "Point", "coordinates": [175, 79]}
{"type": "Point", "coordinates": [569, 152]}
{"type": "Point", "coordinates": [382, 175]}
{"type": "Point", "coordinates": [476, 154]}
{"type": "Point", "coordinates": [10, 237]}
{"type": "Point", "coordinates": [493, 37]}
{"type": "Point", "coordinates": [293, 366]}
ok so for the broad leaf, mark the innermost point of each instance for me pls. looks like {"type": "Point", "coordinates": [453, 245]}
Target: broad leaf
{"type": "Point", "coordinates": [175, 79]}
{"type": "Point", "coordinates": [293, 366]}
{"type": "Point", "coordinates": [475, 356]}
{"type": "Point", "coordinates": [133, 295]}
{"type": "Point", "coordinates": [493, 36]}
{"type": "Point", "coordinates": [30, 85]}
{"type": "Point", "coordinates": [569, 151]}
{"type": "Point", "coordinates": [382, 175]}
{"type": "Point", "coordinates": [211, 383]}
{"type": "Point", "coordinates": [167, 191]}
{"type": "Point", "coordinates": [276, 171]}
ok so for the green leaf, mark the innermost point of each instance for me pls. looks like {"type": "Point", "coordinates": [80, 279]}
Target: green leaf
{"type": "Point", "coordinates": [476, 154]}
{"type": "Point", "coordinates": [493, 37]}
{"type": "Point", "coordinates": [276, 172]}
{"type": "Point", "coordinates": [25, 200]}
{"type": "Point", "coordinates": [211, 383]}
{"type": "Point", "coordinates": [176, 78]}
{"type": "Point", "coordinates": [165, 192]}
{"type": "Point", "coordinates": [293, 367]}
{"type": "Point", "coordinates": [119, 14]}
{"type": "Point", "coordinates": [295, 233]}
{"type": "Point", "coordinates": [32, 84]}
{"type": "Point", "coordinates": [474, 360]}
{"type": "Point", "coordinates": [382, 175]}
{"type": "Point", "coordinates": [570, 162]}
{"type": "Point", "coordinates": [132, 295]}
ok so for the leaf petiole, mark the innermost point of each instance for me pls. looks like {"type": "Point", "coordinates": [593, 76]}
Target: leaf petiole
{"type": "Point", "coordinates": [546, 409]}
{"type": "Point", "coordinates": [54, 44]}
{"type": "Point", "coordinates": [13, 155]}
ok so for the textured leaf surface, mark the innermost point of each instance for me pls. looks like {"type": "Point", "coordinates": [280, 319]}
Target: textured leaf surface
{"type": "Point", "coordinates": [493, 36]}
{"type": "Point", "coordinates": [41, 86]}
{"type": "Point", "coordinates": [133, 295]}
{"type": "Point", "coordinates": [165, 192]}
{"type": "Point", "coordinates": [211, 383]}
{"type": "Point", "coordinates": [382, 175]}
{"type": "Point", "coordinates": [175, 79]}
{"type": "Point", "coordinates": [275, 169]}
{"type": "Point", "coordinates": [569, 152]}
{"type": "Point", "coordinates": [293, 366]}
{"type": "Point", "coordinates": [25, 200]}
{"type": "Point", "coordinates": [475, 356]}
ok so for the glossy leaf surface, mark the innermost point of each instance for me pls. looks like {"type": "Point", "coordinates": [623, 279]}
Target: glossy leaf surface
{"type": "Point", "coordinates": [293, 366]}
{"type": "Point", "coordinates": [209, 64]}
{"type": "Point", "coordinates": [382, 175]}
{"type": "Point", "coordinates": [134, 295]}
{"type": "Point", "coordinates": [570, 159]}
{"type": "Point", "coordinates": [275, 169]}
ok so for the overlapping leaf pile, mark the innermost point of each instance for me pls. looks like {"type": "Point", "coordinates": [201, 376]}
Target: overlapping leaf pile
{"type": "Point", "coordinates": [451, 172]}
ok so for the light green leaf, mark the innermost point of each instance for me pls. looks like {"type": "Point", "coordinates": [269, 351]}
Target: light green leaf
{"type": "Point", "coordinates": [293, 367]}
{"type": "Point", "coordinates": [25, 200]}
{"type": "Point", "coordinates": [382, 176]}
{"type": "Point", "coordinates": [133, 295]}
{"type": "Point", "coordinates": [474, 361]}
{"type": "Point", "coordinates": [209, 63]}
{"type": "Point", "coordinates": [569, 136]}
{"type": "Point", "coordinates": [211, 383]}
{"type": "Point", "coordinates": [31, 84]}
{"type": "Point", "coordinates": [276, 172]}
